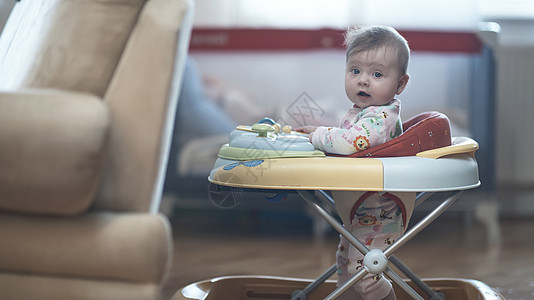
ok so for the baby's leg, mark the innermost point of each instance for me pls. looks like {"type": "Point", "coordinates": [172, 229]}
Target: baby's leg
{"type": "Point", "coordinates": [377, 221]}
{"type": "Point", "coordinates": [342, 261]}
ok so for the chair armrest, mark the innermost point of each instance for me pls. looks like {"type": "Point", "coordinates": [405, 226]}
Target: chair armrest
{"type": "Point", "coordinates": [51, 147]}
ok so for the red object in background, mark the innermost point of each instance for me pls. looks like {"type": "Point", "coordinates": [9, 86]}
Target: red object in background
{"type": "Point", "coordinates": [252, 39]}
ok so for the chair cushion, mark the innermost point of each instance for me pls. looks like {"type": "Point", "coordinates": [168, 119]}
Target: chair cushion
{"type": "Point", "coordinates": [423, 132]}
{"type": "Point", "coordinates": [134, 247]}
{"type": "Point", "coordinates": [51, 146]}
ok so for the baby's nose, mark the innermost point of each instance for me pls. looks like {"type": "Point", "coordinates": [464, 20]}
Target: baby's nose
{"type": "Point", "coordinates": [363, 81]}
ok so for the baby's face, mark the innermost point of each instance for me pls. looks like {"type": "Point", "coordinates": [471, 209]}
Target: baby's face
{"type": "Point", "coordinates": [373, 77]}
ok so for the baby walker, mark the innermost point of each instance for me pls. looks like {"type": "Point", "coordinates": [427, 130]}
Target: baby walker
{"type": "Point", "coordinates": [424, 159]}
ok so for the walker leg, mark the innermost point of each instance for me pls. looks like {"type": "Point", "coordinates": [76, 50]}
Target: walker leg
{"type": "Point", "coordinates": [402, 284]}
{"type": "Point", "coordinates": [423, 223]}
{"type": "Point", "coordinates": [340, 290]}
{"type": "Point", "coordinates": [421, 197]}
{"type": "Point", "coordinates": [327, 200]}
{"type": "Point", "coordinates": [434, 295]}
{"type": "Point", "coordinates": [411, 233]}
{"type": "Point", "coordinates": [312, 200]}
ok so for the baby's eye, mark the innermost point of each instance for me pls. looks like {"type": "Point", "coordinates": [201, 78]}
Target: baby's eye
{"type": "Point", "coordinates": [377, 74]}
{"type": "Point", "coordinates": [355, 71]}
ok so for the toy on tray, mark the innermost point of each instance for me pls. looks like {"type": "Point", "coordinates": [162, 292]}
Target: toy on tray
{"type": "Point", "coordinates": [266, 139]}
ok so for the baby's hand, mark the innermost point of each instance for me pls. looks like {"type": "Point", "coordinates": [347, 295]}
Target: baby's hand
{"type": "Point", "coordinates": [306, 129]}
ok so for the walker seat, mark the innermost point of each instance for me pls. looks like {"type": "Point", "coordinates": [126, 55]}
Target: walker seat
{"type": "Point", "coordinates": [424, 159]}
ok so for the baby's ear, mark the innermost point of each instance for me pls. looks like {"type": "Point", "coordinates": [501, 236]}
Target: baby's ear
{"type": "Point", "coordinates": [403, 81]}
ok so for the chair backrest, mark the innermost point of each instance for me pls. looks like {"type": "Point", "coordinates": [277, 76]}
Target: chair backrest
{"type": "Point", "coordinates": [142, 98]}
{"type": "Point", "coordinates": [422, 132]}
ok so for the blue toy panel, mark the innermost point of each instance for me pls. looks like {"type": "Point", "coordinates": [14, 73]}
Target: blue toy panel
{"type": "Point", "coordinates": [273, 141]}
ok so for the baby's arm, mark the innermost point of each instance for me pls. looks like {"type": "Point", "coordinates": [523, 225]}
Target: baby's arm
{"type": "Point", "coordinates": [372, 128]}
{"type": "Point", "coordinates": [333, 140]}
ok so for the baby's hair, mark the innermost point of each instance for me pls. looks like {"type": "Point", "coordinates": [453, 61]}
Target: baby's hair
{"type": "Point", "coordinates": [365, 38]}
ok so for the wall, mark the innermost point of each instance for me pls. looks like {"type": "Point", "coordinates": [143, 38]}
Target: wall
{"type": "Point", "coordinates": [515, 107]}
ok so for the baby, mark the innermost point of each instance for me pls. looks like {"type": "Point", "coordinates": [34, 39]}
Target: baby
{"type": "Point", "coordinates": [376, 71]}
{"type": "Point", "coordinates": [376, 65]}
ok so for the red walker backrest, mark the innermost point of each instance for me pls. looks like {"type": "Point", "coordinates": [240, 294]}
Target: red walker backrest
{"type": "Point", "coordinates": [423, 132]}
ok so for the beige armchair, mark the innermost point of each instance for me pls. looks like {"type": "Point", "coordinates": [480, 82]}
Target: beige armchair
{"type": "Point", "coordinates": [88, 91]}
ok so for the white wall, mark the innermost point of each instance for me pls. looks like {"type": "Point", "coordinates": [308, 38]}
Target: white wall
{"type": "Point", "coordinates": [435, 14]}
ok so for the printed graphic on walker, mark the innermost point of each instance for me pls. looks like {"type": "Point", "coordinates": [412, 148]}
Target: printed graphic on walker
{"type": "Point", "coordinates": [260, 164]}
{"type": "Point", "coordinates": [254, 169]}
{"type": "Point", "coordinates": [304, 110]}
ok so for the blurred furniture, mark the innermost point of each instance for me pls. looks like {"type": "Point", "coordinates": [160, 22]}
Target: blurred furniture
{"type": "Point", "coordinates": [88, 91]}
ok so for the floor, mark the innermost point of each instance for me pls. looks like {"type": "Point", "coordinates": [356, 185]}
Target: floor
{"type": "Point", "coordinates": [210, 243]}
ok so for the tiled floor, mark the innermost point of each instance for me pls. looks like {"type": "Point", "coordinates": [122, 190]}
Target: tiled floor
{"type": "Point", "coordinates": [216, 243]}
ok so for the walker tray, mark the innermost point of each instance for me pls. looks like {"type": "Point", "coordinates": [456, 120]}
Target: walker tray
{"type": "Point", "coordinates": [260, 157]}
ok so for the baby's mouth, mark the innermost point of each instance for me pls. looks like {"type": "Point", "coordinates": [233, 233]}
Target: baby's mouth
{"type": "Point", "coordinates": [363, 94]}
